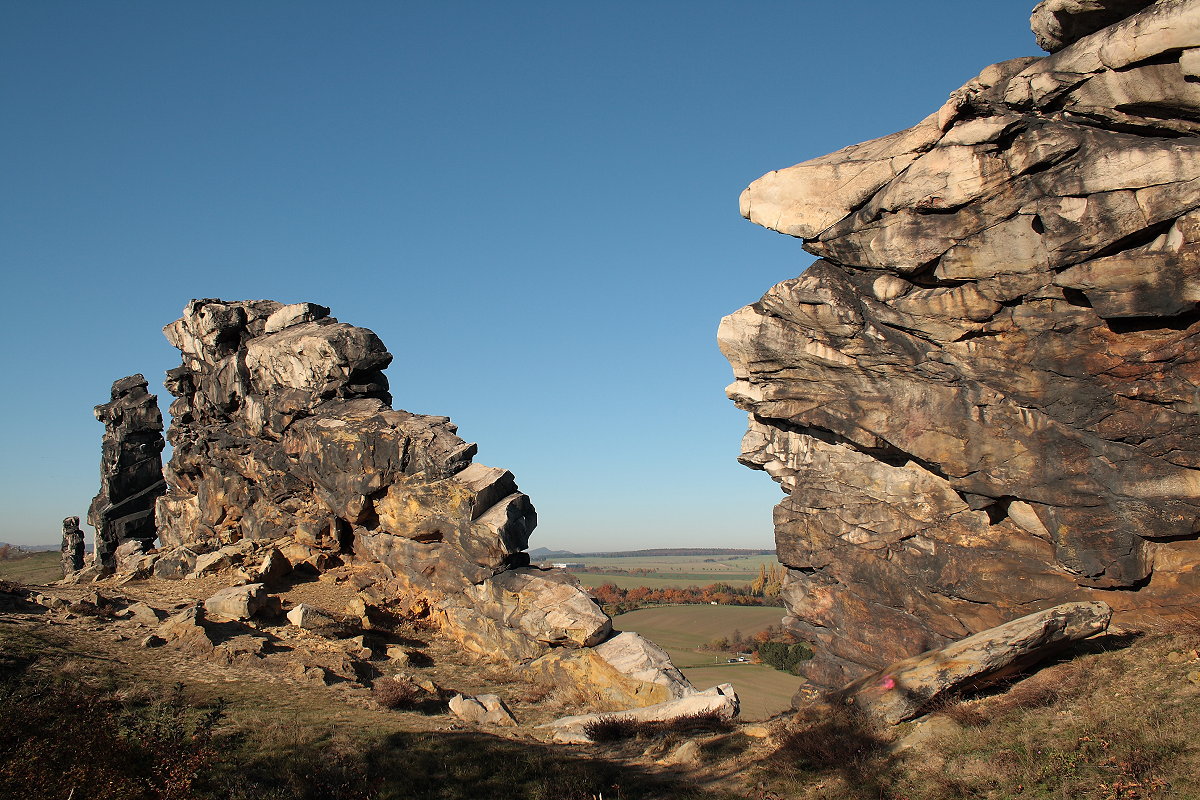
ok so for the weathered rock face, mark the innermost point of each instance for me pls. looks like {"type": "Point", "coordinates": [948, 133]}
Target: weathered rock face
{"type": "Point", "coordinates": [287, 451]}
{"type": "Point", "coordinates": [72, 546]}
{"type": "Point", "coordinates": [282, 428]}
{"type": "Point", "coordinates": [983, 400]}
{"type": "Point", "coordinates": [131, 474]}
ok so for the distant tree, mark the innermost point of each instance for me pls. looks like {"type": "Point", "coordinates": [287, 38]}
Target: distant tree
{"type": "Point", "coordinates": [5, 552]}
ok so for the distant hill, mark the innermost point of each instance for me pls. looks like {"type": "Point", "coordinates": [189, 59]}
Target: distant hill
{"type": "Point", "coordinates": [542, 553]}
{"type": "Point", "coordinates": [31, 548]}
{"type": "Point", "coordinates": [677, 551]}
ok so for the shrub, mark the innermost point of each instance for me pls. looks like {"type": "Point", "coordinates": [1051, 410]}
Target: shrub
{"type": "Point", "coordinates": [395, 693]}
{"type": "Point", "coordinates": [615, 729]}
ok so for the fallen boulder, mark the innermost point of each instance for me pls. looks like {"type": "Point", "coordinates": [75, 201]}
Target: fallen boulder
{"type": "Point", "coordinates": [238, 602]}
{"type": "Point", "coordinates": [483, 709]}
{"type": "Point", "coordinates": [905, 689]}
{"type": "Point", "coordinates": [720, 700]}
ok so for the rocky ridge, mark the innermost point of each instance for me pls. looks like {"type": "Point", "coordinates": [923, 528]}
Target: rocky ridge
{"type": "Point", "coordinates": [982, 400]}
{"type": "Point", "coordinates": [289, 461]}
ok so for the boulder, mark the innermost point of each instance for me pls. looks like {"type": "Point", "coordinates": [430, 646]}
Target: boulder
{"type": "Point", "coordinates": [626, 671]}
{"type": "Point", "coordinates": [309, 617]}
{"type": "Point", "coordinates": [721, 700]}
{"type": "Point", "coordinates": [187, 631]}
{"type": "Point", "coordinates": [141, 613]}
{"type": "Point", "coordinates": [907, 688]}
{"type": "Point", "coordinates": [548, 606]}
{"type": "Point", "coordinates": [980, 401]}
{"type": "Point", "coordinates": [484, 709]}
{"type": "Point", "coordinates": [238, 602]}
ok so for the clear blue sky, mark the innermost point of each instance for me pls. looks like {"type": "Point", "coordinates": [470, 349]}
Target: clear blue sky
{"type": "Point", "coordinates": [533, 204]}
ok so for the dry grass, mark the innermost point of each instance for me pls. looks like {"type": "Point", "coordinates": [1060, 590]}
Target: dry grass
{"type": "Point", "coordinates": [1109, 722]}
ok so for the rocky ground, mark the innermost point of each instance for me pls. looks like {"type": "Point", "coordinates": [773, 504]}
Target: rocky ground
{"type": "Point", "coordinates": [287, 687]}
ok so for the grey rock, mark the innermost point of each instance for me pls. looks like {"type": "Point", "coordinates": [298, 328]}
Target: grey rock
{"type": "Point", "coordinates": [131, 477]}
{"type": "Point", "coordinates": [238, 602]}
{"type": "Point", "coordinates": [72, 546]}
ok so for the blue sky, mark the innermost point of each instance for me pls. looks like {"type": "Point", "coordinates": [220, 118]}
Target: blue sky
{"type": "Point", "coordinates": [533, 204]}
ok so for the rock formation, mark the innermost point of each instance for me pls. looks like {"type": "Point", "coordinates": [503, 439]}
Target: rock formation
{"type": "Point", "coordinates": [131, 476]}
{"type": "Point", "coordinates": [287, 452]}
{"type": "Point", "coordinates": [72, 546]}
{"type": "Point", "coordinates": [982, 401]}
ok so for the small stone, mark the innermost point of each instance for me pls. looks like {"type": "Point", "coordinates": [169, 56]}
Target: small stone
{"type": "Point", "coordinates": [153, 640]}
{"type": "Point", "coordinates": [757, 731]}
{"type": "Point", "coordinates": [1194, 676]}
{"type": "Point", "coordinates": [686, 753]}
{"type": "Point", "coordinates": [398, 654]}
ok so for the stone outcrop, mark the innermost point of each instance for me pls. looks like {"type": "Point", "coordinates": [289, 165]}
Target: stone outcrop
{"type": "Point", "coordinates": [131, 474]}
{"type": "Point", "coordinates": [288, 454]}
{"type": "Point", "coordinates": [908, 688]}
{"type": "Point", "coordinates": [982, 400]}
{"type": "Point", "coordinates": [72, 546]}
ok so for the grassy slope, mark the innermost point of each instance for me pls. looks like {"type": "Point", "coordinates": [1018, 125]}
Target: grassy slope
{"type": "Point", "coordinates": [681, 629]}
{"type": "Point", "coordinates": [33, 570]}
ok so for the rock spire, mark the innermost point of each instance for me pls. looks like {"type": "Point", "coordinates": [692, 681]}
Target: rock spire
{"type": "Point", "coordinates": [131, 475]}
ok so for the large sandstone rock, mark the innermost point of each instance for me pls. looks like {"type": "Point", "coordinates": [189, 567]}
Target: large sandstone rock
{"type": "Point", "coordinates": [982, 400]}
{"type": "Point", "coordinates": [546, 605]}
{"type": "Point", "coordinates": [286, 449]}
{"type": "Point", "coordinates": [131, 474]}
{"type": "Point", "coordinates": [719, 700]}
{"type": "Point", "coordinates": [907, 688]}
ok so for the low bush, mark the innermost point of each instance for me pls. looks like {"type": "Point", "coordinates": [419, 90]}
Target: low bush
{"type": "Point", "coordinates": [396, 693]}
{"type": "Point", "coordinates": [616, 728]}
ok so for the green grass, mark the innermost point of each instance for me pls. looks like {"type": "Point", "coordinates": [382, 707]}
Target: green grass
{"type": "Point", "coordinates": [35, 569]}
{"type": "Point", "coordinates": [681, 629]}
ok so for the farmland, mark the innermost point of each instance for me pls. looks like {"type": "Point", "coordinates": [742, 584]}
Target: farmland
{"type": "Point", "coordinates": [35, 568]}
{"type": "Point", "coordinates": [680, 630]}
{"type": "Point", "coordinates": [671, 571]}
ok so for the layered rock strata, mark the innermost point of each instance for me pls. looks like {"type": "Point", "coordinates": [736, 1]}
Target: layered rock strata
{"type": "Point", "coordinates": [72, 546]}
{"type": "Point", "coordinates": [983, 399]}
{"type": "Point", "coordinates": [287, 449]}
{"type": "Point", "coordinates": [131, 473]}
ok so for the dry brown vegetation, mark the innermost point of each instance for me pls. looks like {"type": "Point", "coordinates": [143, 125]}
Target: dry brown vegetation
{"type": "Point", "coordinates": [1115, 720]}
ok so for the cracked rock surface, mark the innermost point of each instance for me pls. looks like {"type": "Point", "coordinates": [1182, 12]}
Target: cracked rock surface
{"type": "Point", "coordinates": [982, 401]}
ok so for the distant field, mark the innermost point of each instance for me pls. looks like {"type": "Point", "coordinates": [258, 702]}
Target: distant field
{"type": "Point", "coordinates": [659, 582]}
{"type": "Point", "coordinates": [695, 565]}
{"type": "Point", "coordinates": [681, 629]}
{"type": "Point", "coordinates": [39, 568]}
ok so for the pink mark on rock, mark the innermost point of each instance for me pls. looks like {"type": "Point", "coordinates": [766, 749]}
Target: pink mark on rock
{"type": "Point", "coordinates": [888, 682]}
